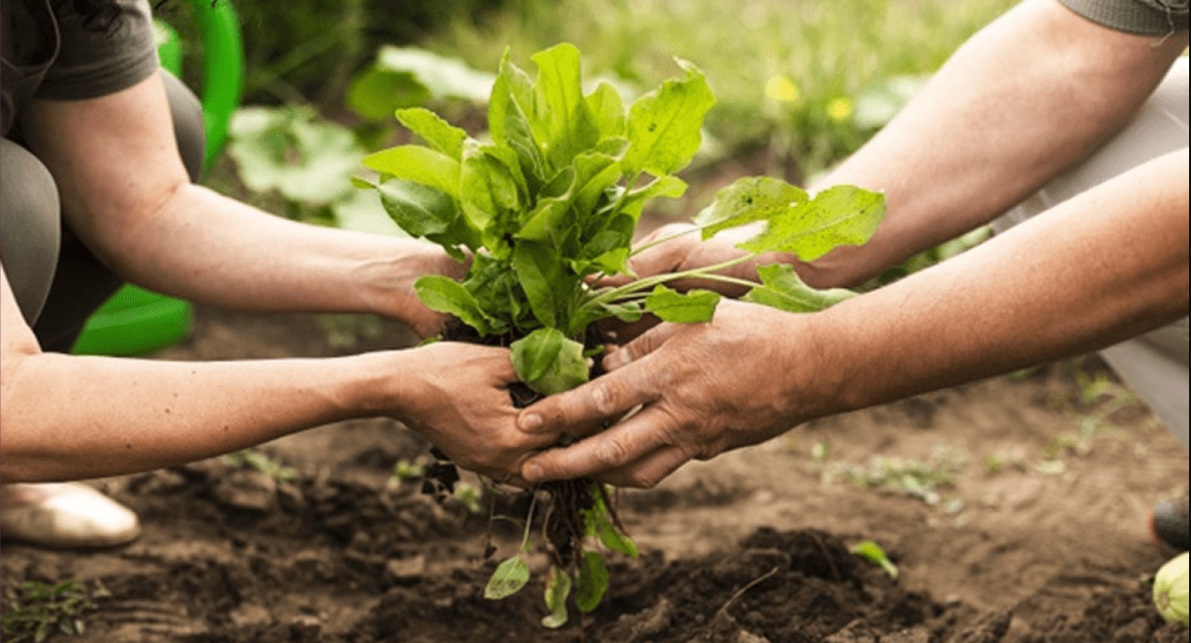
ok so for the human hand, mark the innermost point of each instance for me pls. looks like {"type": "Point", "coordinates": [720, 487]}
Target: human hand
{"type": "Point", "coordinates": [702, 389]}
{"type": "Point", "coordinates": [403, 303]}
{"type": "Point", "coordinates": [678, 247]}
{"type": "Point", "coordinates": [456, 395]}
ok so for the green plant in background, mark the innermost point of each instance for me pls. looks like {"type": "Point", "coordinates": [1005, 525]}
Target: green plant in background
{"type": "Point", "coordinates": [266, 464]}
{"type": "Point", "coordinates": [852, 62]}
{"type": "Point", "coordinates": [921, 479]}
{"type": "Point", "coordinates": [41, 609]}
{"type": "Point", "coordinates": [546, 206]}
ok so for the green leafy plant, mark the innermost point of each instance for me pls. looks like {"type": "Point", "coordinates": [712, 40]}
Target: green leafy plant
{"type": "Point", "coordinates": [545, 207]}
{"type": "Point", "coordinates": [41, 609]}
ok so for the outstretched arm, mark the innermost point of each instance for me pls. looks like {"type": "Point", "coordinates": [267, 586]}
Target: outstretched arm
{"type": "Point", "coordinates": [126, 194]}
{"type": "Point", "coordinates": [1026, 97]}
{"type": "Point", "coordinates": [1106, 265]}
{"type": "Point", "coordinates": [71, 417]}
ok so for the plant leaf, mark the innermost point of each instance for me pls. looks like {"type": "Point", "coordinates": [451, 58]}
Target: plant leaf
{"type": "Point", "coordinates": [692, 307]}
{"type": "Point", "coordinates": [564, 124]}
{"type": "Point", "coordinates": [420, 210]}
{"type": "Point", "coordinates": [607, 110]}
{"type": "Point", "coordinates": [542, 274]}
{"type": "Point", "coordinates": [746, 200]}
{"type": "Point", "coordinates": [375, 92]}
{"type": "Point", "coordinates": [840, 215]}
{"type": "Point", "coordinates": [417, 164]}
{"type": "Point", "coordinates": [430, 127]}
{"type": "Point", "coordinates": [558, 588]}
{"type": "Point", "coordinates": [509, 577]}
{"type": "Point", "coordinates": [445, 295]}
{"type": "Point", "coordinates": [872, 552]}
{"type": "Point", "coordinates": [488, 187]}
{"type": "Point", "coordinates": [664, 125]}
{"type": "Point", "coordinates": [782, 289]}
{"type": "Point", "coordinates": [549, 362]}
{"type": "Point", "coordinates": [592, 582]}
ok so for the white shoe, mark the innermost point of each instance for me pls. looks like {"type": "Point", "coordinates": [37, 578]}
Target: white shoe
{"type": "Point", "coordinates": [68, 514]}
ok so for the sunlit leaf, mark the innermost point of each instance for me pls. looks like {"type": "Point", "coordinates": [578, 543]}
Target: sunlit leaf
{"type": "Point", "coordinates": [692, 307]}
{"type": "Point", "coordinates": [558, 589]}
{"type": "Point", "coordinates": [510, 576]}
{"type": "Point", "coordinates": [782, 289]}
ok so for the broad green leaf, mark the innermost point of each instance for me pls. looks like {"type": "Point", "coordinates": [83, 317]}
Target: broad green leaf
{"type": "Point", "coordinates": [509, 109]}
{"type": "Point", "coordinates": [607, 110]}
{"type": "Point", "coordinates": [592, 582]}
{"type": "Point", "coordinates": [420, 210]}
{"type": "Point", "coordinates": [418, 164]}
{"type": "Point", "coordinates": [547, 222]}
{"type": "Point", "coordinates": [509, 577]}
{"type": "Point", "coordinates": [693, 307]}
{"type": "Point", "coordinates": [444, 295]}
{"type": "Point", "coordinates": [293, 152]}
{"type": "Point", "coordinates": [782, 289]}
{"type": "Point", "coordinates": [840, 215]}
{"type": "Point", "coordinates": [430, 127]}
{"type": "Point", "coordinates": [558, 588]}
{"type": "Point", "coordinates": [549, 362]}
{"type": "Point", "coordinates": [594, 174]}
{"type": "Point", "coordinates": [670, 187]}
{"type": "Point", "coordinates": [563, 124]}
{"type": "Point", "coordinates": [363, 212]}
{"type": "Point", "coordinates": [749, 199]}
{"type": "Point", "coordinates": [540, 269]}
{"type": "Point", "coordinates": [488, 187]}
{"type": "Point", "coordinates": [664, 125]}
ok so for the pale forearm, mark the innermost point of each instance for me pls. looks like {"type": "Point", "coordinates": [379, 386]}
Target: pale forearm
{"type": "Point", "coordinates": [1028, 96]}
{"type": "Point", "coordinates": [70, 417]}
{"type": "Point", "coordinates": [212, 249]}
{"type": "Point", "coordinates": [1104, 266]}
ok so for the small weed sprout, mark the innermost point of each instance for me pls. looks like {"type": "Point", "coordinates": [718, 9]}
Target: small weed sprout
{"type": "Point", "coordinates": [42, 609]}
{"type": "Point", "coordinates": [253, 459]}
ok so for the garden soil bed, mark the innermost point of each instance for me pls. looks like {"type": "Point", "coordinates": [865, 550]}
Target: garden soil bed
{"type": "Point", "coordinates": [1040, 537]}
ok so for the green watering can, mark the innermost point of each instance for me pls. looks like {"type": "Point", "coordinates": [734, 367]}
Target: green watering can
{"type": "Point", "coordinates": [136, 321]}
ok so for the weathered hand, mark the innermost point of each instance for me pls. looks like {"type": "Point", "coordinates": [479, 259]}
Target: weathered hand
{"type": "Point", "coordinates": [702, 389]}
{"type": "Point", "coordinates": [456, 396]}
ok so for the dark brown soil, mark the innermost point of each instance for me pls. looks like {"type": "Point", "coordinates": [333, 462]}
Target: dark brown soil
{"type": "Point", "coordinates": [1038, 536]}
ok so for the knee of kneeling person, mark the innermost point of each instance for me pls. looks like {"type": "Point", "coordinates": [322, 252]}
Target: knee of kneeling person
{"type": "Point", "coordinates": [31, 234]}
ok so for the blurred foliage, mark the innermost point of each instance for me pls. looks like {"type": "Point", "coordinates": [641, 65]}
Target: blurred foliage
{"type": "Point", "coordinates": [307, 50]}
{"type": "Point", "coordinates": [809, 81]}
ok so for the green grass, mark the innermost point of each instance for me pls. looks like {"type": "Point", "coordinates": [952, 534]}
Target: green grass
{"type": "Point", "coordinates": [837, 56]}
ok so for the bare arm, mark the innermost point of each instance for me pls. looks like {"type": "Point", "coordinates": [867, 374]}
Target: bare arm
{"type": "Point", "coordinates": [1026, 97]}
{"type": "Point", "coordinates": [1105, 265]}
{"type": "Point", "coordinates": [70, 417]}
{"type": "Point", "coordinates": [126, 194]}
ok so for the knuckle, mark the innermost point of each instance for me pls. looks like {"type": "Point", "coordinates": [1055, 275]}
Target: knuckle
{"type": "Point", "coordinates": [613, 452]}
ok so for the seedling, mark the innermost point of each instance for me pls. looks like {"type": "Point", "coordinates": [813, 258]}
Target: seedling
{"type": "Point", "coordinates": [42, 609]}
{"type": "Point", "coordinates": [545, 207]}
{"type": "Point", "coordinates": [873, 553]}
{"type": "Point", "coordinates": [253, 459]}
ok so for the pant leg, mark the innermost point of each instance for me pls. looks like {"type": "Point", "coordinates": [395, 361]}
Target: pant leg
{"type": "Point", "coordinates": [1155, 365]}
{"type": "Point", "coordinates": [81, 282]}
{"type": "Point", "coordinates": [30, 231]}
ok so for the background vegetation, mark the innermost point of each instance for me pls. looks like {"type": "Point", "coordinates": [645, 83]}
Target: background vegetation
{"type": "Point", "coordinates": [800, 84]}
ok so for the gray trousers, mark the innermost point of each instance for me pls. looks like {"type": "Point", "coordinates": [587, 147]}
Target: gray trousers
{"type": "Point", "coordinates": [57, 281]}
{"type": "Point", "coordinates": [1153, 365]}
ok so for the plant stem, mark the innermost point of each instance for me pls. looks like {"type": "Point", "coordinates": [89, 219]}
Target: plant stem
{"type": "Point", "coordinates": [706, 272]}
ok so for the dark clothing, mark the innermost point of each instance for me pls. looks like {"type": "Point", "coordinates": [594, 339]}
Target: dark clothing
{"type": "Point", "coordinates": [48, 53]}
{"type": "Point", "coordinates": [1145, 17]}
